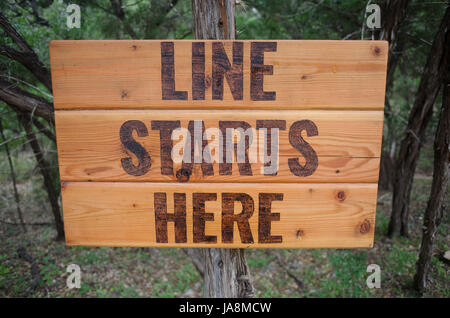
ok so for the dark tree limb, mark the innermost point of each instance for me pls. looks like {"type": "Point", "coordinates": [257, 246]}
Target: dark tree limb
{"type": "Point", "coordinates": [419, 117]}
{"type": "Point", "coordinates": [30, 224]}
{"type": "Point", "coordinates": [25, 102]}
{"type": "Point", "coordinates": [17, 98]}
{"type": "Point", "coordinates": [26, 56]}
{"type": "Point", "coordinates": [394, 14]}
{"type": "Point", "coordinates": [13, 179]}
{"type": "Point", "coordinates": [282, 264]}
{"type": "Point", "coordinates": [160, 18]}
{"type": "Point", "coordinates": [43, 167]}
{"type": "Point", "coordinates": [117, 10]}
{"type": "Point", "coordinates": [43, 129]}
{"type": "Point", "coordinates": [435, 208]}
{"type": "Point", "coordinates": [34, 11]}
{"type": "Point", "coordinates": [35, 271]}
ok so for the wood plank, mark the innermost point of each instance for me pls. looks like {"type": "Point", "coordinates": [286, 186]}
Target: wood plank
{"type": "Point", "coordinates": [310, 215]}
{"type": "Point", "coordinates": [347, 145]}
{"type": "Point", "coordinates": [306, 75]}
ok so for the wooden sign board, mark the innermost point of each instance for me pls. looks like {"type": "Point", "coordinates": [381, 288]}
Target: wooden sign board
{"type": "Point", "coordinates": [235, 144]}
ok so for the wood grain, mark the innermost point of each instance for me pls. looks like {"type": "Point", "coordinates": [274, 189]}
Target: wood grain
{"type": "Point", "coordinates": [306, 75]}
{"type": "Point", "coordinates": [348, 145]}
{"type": "Point", "coordinates": [114, 191]}
{"type": "Point", "coordinates": [311, 215]}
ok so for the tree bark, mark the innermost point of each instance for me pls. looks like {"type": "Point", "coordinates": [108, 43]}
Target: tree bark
{"type": "Point", "coordinates": [25, 102]}
{"type": "Point", "coordinates": [117, 9]}
{"type": "Point", "coordinates": [17, 98]}
{"type": "Point", "coordinates": [419, 118]}
{"type": "Point", "coordinates": [435, 208]}
{"type": "Point", "coordinates": [226, 272]}
{"type": "Point", "coordinates": [394, 13]}
{"type": "Point", "coordinates": [214, 19]}
{"type": "Point", "coordinates": [26, 56]}
{"type": "Point", "coordinates": [44, 169]}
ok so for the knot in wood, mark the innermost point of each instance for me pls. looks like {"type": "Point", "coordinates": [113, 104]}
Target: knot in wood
{"type": "Point", "coordinates": [183, 175]}
{"type": "Point", "coordinates": [340, 196]}
{"type": "Point", "coordinates": [364, 227]}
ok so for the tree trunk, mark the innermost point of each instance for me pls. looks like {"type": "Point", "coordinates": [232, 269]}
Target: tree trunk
{"type": "Point", "coordinates": [44, 169]}
{"type": "Point", "coordinates": [386, 171]}
{"type": "Point", "coordinates": [214, 19]}
{"type": "Point", "coordinates": [419, 118]}
{"type": "Point", "coordinates": [435, 208]}
{"type": "Point", "coordinates": [226, 273]}
{"type": "Point", "coordinates": [394, 13]}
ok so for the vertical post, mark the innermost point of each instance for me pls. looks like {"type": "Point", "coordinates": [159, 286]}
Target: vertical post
{"type": "Point", "coordinates": [226, 272]}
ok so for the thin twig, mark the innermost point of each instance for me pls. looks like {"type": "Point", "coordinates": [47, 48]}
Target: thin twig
{"type": "Point", "coordinates": [48, 182]}
{"type": "Point", "coordinates": [31, 224]}
{"type": "Point", "coordinates": [28, 84]}
{"type": "Point", "coordinates": [13, 178]}
{"type": "Point", "coordinates": [35, 272]}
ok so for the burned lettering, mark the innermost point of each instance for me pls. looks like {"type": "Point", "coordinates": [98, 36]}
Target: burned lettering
{"type": "Point", "coordinates": [297, 141]}
{"type": "Point", "coordinates": [126, 137]}
{"type": "Point", "coordinates": [228, 217]}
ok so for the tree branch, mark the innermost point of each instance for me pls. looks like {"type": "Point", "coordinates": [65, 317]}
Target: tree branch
{"type": "Point", "coordinates": [45, 130]}
{"type": "Point", "coordinates": [25, 101]}
{"type": "Point", "coordinates": [159, 19]}
{"type": "Point", "coordinates": [27, 57]}
{"type": "Point", "coordinates": [120, 14]}
{"type": "Point", "coordinates": [44, 169]}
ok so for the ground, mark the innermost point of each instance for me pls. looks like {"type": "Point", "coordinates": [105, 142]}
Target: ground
{"type": "Point", "coordinates": [34, 265]}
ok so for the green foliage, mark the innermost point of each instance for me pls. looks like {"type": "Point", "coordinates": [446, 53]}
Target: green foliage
{"type": "Point", "coordinates": [4, 272]}
{"type": "Point", "coordinates": [259, 259]}
{"type": "Point", "coordinates": [382, 223]}
{"type": "Point", "coordinates": [349, 279]}
{"type": "Point", "coordinates": [401, 259]}
{"type": "Point", "coordinates": [50, 272]}
{"type": "Point", "coordinates": [185, 277]}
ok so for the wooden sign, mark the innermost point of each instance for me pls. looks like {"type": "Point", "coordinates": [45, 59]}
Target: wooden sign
{"type": "Point", "coordinates": [235, 144]}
